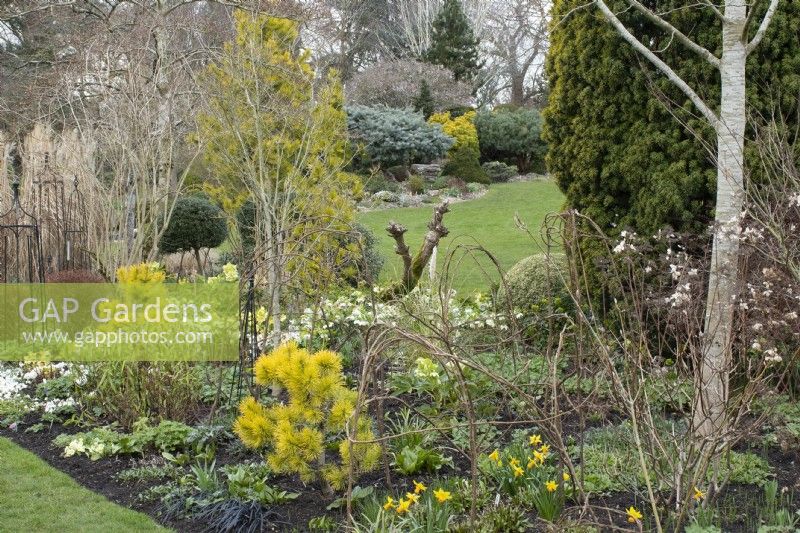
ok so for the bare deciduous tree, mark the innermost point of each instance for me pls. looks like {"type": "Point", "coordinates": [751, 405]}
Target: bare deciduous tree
{"type": "Point", "coordinates": [415, 18]}
{"type": "Point", "coordinates": [516, 38]}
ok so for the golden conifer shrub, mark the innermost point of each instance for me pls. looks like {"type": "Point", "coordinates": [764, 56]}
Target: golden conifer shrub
{"type": "Point", "coordinates": [318, 410]}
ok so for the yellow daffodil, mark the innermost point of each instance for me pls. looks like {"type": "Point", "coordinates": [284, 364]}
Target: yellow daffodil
{"type": "Point", "coordinates": [419, 487]}
{"type": "Point", "coordinates": [513, 462]}
{"type": "Point", "coordinates": [495, 456]}
{"type": "Point", "coordinates": [538, 456]}
{"type": "Point", "coordinates": [531, 463]}
{"type": "Point", "coordinates": [389, 503]}
{"type": "Point", "coordinates": [551, 486]}
{"type": "Point", "coordinates": [633, 515]}
{"type": "Point", "coordinates": [413, 498]}
{"type": "Point", "coordinates": [402, 506]}
{"type": "Point", "coordinates": [441, 495]}
{"type": "Point", "coordinates": [535, 440]}
{"type": "Point", "coordinates": [699, 495]}
{"type": "Point", "coordinates": [518, 471]}
{"type": "Point", "coordinates": [545, 449]}
{"type": "Point", "coordinates": [565, 476]}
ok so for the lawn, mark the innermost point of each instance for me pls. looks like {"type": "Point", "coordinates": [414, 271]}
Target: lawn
{"type": "Point", "coordinates": [488, 221]}
{"type": "Point", "coordinates": [37, 497]}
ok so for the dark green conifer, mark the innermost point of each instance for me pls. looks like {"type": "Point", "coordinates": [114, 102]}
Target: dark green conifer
{"type": "Point", "coordinates": [453, 43]}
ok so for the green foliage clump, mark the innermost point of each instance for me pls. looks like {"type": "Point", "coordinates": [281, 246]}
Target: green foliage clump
{"type": "Point", "coordinates": [623, 157]}
{"type": "Point", "coordinates": [611, 464]}
{"type": "Point", "coordinates": [100, 442]}
{"type": "Point", "coordinates": [513, 136]}
{"type": "Point", "coordinates": [196, 223]}
{"type": "Point", "coordinates": [453, 43]}
{"type": "Point", "coordinates": [367, 265]}
{"type": "Point", "coordinates": [499, 172]}
{"type": "Point", "coordinates": [392, 137]}
{"type": "Point", "coordinates": [534, 280]}
{"type": "Point", "coordinates": [13, 410]}
{"type": "Point", "coordinates": [424, 102]}
{"type": "Point", "coordinates": [379, 181]}
{"type": "Point", "coordinates": [416, 184]}
{"type": "Point", "coordinates": [128, 391]}
{"type": "Point", "coordinates": [463, 159]}
{"type": "Point", "coordinates": [246, 224]}
{"type": "Point", "coordinates": [505, 518]}
{"type": "Point", "coordinates": [319, 407]}
{"type": "Point", "coordinates": [463, 163]}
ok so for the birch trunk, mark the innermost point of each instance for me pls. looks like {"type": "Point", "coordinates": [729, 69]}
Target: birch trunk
{"type": "Point", "coordinates": [711, 395]}
{"type": "Point", "coordinates": [724, 268]}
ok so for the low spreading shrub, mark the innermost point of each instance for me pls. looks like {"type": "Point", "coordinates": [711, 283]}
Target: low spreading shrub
{"type": "Point", "coordinates": [75, 276]}
{"type": "Point", "coordinates": [379, 181]}
{"type": "Point", "coordinates": [512, 136]}
{"type": "Point", "coordinates": [499, 172]}
{"type": "Point", "coordinates": [390, 137]}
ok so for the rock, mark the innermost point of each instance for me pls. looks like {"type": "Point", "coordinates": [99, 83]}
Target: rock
{"type": "Point", "coordinates": [398, 173]}
{"type": "Point", "coordinates": [429, 172]}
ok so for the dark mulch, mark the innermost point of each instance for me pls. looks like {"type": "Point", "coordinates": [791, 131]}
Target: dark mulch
{"type": "Point", "coordinates": [99, 476]}
{"type": "Point", "coordinates": [741, 503]}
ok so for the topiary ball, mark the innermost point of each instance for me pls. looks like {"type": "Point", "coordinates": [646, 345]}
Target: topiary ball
{"type": "Point", "coordinates": [527, 283]}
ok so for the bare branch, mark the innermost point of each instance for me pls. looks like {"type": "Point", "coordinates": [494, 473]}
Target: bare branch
{"type": "Point", "coordinates": [714, 8]}
{"type": "Point", "coordinates": [762, 29]}
{"type": "Point", "coordinates": [707, 112]}
{"type": "Point", "coordinates": [397, 232]}
{"type": "Point", "coordinates": [413, 267]}
{"type": "Point", "coordinates": [675, 32]}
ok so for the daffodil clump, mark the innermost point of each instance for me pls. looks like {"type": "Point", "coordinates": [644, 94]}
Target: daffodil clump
{"type": "Point", "coordinates": [528, 472]}
{"type": "Point", "coordinates": [318, 410]}
{"type": "Point", "coordinates": [420, 506]}
{"type": "Point", "coordinates": [521, 466]}
{"type": "Point", "coordinates": [141, 273]}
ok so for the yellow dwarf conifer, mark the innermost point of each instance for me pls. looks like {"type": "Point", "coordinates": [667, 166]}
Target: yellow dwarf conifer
{"type": "Point", "coordinates": [319, 407]}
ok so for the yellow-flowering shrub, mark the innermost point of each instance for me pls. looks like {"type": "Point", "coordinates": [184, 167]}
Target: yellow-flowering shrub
{"type": "Point", "coordinates": [464, 156]}
{"type": "Point", "coordinates": [141, 273]}
{"type": "Point", "coordinates": [319, 407]}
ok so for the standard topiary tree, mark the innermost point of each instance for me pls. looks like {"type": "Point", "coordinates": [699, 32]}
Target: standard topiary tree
{"type": "Point", "coordinates": [513, 136]}
{"type": "Point", "coordinates": [246, 224]}
{"type": "Point", "coordinates": [453, 43]}
{"type": "Point", "coordinates": [392, 137]}
{"type": "Point", "coordinates": [196, 223]}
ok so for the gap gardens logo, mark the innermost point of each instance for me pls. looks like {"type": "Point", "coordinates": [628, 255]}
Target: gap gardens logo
{"type": "Point", "coordinates": [126, 321]}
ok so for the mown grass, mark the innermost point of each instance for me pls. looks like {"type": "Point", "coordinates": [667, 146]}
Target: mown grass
{"type": "Point", "coordinates": [487, 221]}
{"type": "Point", "coordinates": [36, 497]}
